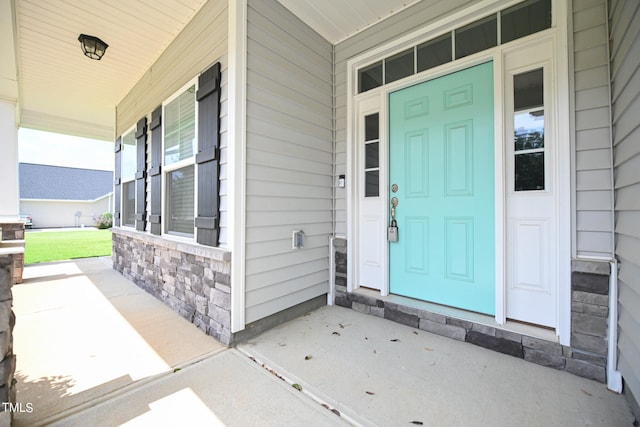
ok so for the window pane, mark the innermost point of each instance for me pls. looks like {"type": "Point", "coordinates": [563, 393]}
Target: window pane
{"type": "Point", "coordinates": [398, 66]}
{"type": "Point", "coordinates": [371, 127]}
{"type": "Point", "coordinates": [180, 201]}
{"type": "Point", "coordinates": [370, 77]}
{"type": "Point", "coordinates": [529, 172]}
{"type": "Point", "coordinates": [371, 151]}
{"type": "Point", "coordinates": [129, 203]}
{"type": "Point", "coordinates": [525, 18]}
{"type": "Point", "coordinates": [180, 127]}
{"type": "Point", "coordinates": [528, 90]}
{"type": "Point", "coordinates": [529, 130]}
{"type": "Point", "coordinates": [434, 52]}
{"type": "Point", "coordinates": [128, 156]}
{"type": "Point", "coordinates": [371, 184]}
{"type": "Point", "coordinates": [476, 37]}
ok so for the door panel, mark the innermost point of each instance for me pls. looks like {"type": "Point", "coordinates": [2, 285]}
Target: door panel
{"type": "Point", "coordinates": [441, 152]}
{"type": "Point", "coordinates": [459, 158]}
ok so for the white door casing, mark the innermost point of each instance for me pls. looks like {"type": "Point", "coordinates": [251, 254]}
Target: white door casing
{"type": "Point", "coordinates": [552, 232]}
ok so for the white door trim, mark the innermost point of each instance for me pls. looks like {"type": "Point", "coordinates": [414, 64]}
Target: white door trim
{"type": "Point", "coordinates": [559, 31]}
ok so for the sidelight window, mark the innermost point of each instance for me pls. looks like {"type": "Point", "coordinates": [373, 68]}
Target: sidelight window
{"type": "Point", "coordinates": [528, 125]}
{"type": "Point", "coordinates": [372, 155]}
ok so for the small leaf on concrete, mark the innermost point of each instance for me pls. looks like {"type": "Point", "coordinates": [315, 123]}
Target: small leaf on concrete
{"type": "Point", "coordinates": [415, 332]}
{"type": "Point", "coordinates": [297, 386]}
{"type": "Point", "coordinates": [394, 340]}
{"type": "Point", "coordinates": [308, 357]}
{"type": "Point", "coordinates": [176, 369]}
{"type": "Point", "coordinates": [418, 423]}
{"type": "Point", "coordinates": [335, 411]}
{"type": "Point", "coordinates": [336, 333]}
{"type": "Point", "coordinates": [428, 349]}
{"type": "Point", "coordinates": [370, 393]}
{"type": "Point", "coordinates": [586, 392]}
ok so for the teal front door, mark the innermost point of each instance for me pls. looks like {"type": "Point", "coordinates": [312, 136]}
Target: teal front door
{"type": "Point", "coordinates": [441, 160]}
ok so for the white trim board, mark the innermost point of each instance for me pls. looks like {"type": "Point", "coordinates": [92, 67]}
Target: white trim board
{"type": "Point", "coordinates": [237, 155]}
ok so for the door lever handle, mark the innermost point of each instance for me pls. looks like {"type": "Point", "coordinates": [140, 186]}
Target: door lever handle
{"type": "Point", "coordinates": [394, 203]}
{"type": "Point", "coordinates": [392, 232]}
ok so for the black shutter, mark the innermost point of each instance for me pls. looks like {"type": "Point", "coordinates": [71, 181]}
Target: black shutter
{"type": "Point", "coordinates": [156, 170]}
{"type": "Point", "coordinates": [141, 173]}
{"type": "Point", "coordinates": [207, 158]}
{"type": "Point", "coordinates": [116, 183]}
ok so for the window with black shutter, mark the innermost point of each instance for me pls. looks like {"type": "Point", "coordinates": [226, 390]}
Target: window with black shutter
{"type": "Point", "coordinates": [184, 165]}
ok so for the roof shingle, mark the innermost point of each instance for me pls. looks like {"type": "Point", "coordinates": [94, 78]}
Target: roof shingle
{"type": "Point", "coordinates": [62, 183]}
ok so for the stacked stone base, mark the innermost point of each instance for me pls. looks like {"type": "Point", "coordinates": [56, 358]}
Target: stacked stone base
{"type": "Point", "coordinates": [7, 321]}
{"type": "Point", "coordinates": [586, 357]}
{"type": "Point", "coordinates": [14, 231]}
{"type": "Point", "coordinates": [193, 280]}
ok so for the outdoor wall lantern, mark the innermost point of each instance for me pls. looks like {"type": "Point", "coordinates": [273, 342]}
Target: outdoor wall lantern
{"type": "Point", "coordinates": [92, 46]}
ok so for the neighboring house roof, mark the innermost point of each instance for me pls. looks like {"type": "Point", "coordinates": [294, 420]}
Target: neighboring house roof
{"type": "Point", "coordinates": [62, 183]}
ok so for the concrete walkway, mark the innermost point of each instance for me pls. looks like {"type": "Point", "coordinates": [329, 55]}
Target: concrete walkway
{"type": "Point", "coordinates": [93, 349]}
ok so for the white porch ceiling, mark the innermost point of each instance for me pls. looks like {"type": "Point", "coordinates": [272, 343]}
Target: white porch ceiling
{"type": "Point", "coordinates": [58, 89]}
{"type": "Point", "coordinates": [336, 20]}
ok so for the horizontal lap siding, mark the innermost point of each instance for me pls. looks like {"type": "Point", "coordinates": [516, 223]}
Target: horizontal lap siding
{"type": "Point", "coordinates": [625, 69]}
{"type": "Point", "coordinates": [594, 220]}
{"type": "Point", "coordinates": [394, 27]}
{"type": "Point", "coordinates": [202, 43]}
{"type": "Point", "coordinates": [289, 160]}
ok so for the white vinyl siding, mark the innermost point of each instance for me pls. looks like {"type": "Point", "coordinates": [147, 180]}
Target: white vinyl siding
{"type": "Point", "coordinates": [202, 42]}
{"type": "Point", "coordinates": [289, 160]}
{"type": "Point", "coordinates": [593, 186]}
{"type": "Point", "coordinates": [625, 72]}
{"type": "Point", "coordinates": [407, 21]}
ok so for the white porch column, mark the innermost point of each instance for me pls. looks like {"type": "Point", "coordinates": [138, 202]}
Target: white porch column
{"type": "Point", "coordinates": [9, 198]}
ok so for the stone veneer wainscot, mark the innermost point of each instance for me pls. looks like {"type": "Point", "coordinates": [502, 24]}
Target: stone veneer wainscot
{"type": "Point", "coordinates": [193, 280]}
{"type": "Point", "coordinates": [7, 322]}
{"type": "Point", "coordinates": [14, 231]}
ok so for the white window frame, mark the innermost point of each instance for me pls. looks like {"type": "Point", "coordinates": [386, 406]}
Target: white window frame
{"type": "Point", "coordinates": [128, 179]}
{"type": "Point", "coordinates": [191, 161]}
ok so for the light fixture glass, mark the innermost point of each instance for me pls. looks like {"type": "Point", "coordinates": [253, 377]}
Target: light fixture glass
{"type": "Point", "coordinates": [92, 46]}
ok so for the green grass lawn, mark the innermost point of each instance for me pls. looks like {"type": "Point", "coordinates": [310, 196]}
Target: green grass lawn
{"type": "Point", "coordinates": [43, 246]}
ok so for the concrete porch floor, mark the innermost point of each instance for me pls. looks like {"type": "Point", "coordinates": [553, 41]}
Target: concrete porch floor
{"type": "Point", "coordinates": [94, 349]}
